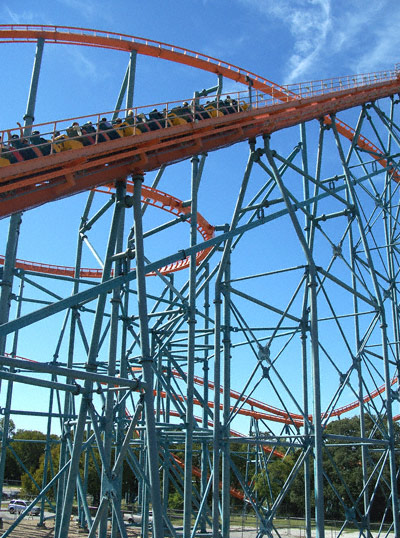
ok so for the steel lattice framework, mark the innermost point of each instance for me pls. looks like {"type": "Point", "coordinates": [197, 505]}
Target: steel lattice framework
{"type": "Point", "coordinates": [275, 323]}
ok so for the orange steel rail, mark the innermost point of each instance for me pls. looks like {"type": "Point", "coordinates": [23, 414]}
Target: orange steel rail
{"type": "Point", "coordinates": [18, 33]}
{"type": "Point", "coordinates": [31, 183]}
{"type": "Point", "coordinates": [150, 196]}
{"type": "Point", "coordinates": [281, 415]}
{"type": "Point", "coordinates": [63, 176]}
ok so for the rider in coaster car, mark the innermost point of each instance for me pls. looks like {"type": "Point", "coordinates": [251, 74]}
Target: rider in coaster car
{"type": "Point", "coordinates": [124, 128]}
{"type": "Point", "coordinates": [88, 133]}
{"type": "Point", "coordinates": [41, 143]}
{"type": "Point", "coordinates": [7, 155]}
{"type": "Point", "coordinates": [214, 108]}
{"type": "Point", "coordinates": [186, 112]}
{"type": "Point", "coordinates": [23, 147]}
{"type": "Point", "coordinates": [63, 143]}
{"type": "Point", "coordinates": [154, 120]}
{"type": "Point", "coordinates": [107, 127]}
{"type": "Point", "coordinates": [229, 105]}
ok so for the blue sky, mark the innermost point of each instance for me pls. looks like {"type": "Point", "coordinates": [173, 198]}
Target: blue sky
{"type": "Point", "coordinates": [287, 41]}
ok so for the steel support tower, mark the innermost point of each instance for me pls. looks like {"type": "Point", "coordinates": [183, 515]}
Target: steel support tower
{"type": "Point", "coordinates": [215, 347]}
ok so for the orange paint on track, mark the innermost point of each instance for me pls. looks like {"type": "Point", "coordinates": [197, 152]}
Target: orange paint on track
{"type": "Point", "coordinates": [150, 196]}
{"type": "Point", "coordinates": [29, 184]}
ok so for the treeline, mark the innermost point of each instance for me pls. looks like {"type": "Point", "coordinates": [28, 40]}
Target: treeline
{"type": "Point", "coordinates": [275, 484]}
{"type": "Point", "coordinates": [26, 462]}
{"type": "Point", "coordinates": [356, 479]}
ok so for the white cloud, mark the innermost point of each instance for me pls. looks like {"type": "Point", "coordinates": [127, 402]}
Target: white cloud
{"type": "Point", "coordinates": [308, 21]}
{"type": "Point", "coordinates": [89, 10]}
{"type": "Point", "coordinates": [348, 37]}
{"type": "Point", "coordinates": [81, 63]}
{"type": "Point", "coordinates": [21, 17]}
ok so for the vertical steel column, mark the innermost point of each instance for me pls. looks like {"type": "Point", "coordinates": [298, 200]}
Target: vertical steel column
{"type": "Point", "coordinates": [91, 367]}
{"type": "Point", "coordinates": [204, 445]}
{"type": "Point", "coordinates": [147, 361]}
{"type": "Point", "coordinates": [15, 220]}
{"type": "Point", "coordinates": [187, 505]}
{"type": "Point", "coordinates": [131, 79]}
{"type": "Point", "coordinates": [312, 283]}
{"type": "Point", "coordinates": [29, 117]}
{"type": "Point", "coordinates": [217, 344]}
{"type": "Point", "coordinates": [226, 465]}
{"type": "Point", "coordinates": [112, 370]}
{"type": "Point", "coordinates": [119, 410]}
{"type": "Point", "coordinates": [68, 398]}
{"type": "Point", "coordinates": [127, 83]}
{"type": "Point", "coordinates": [168, 371]}
{"type": "Point", "coordinates": [217, 400]}
{"type": "Point", "coordinates": [121, 94]}
{"type": "Point", "coordinates": [358, 367]}
{"type": "Point", "coordinates": [12, 241]}
{"type": "Point", "coordinates": [309, 235]}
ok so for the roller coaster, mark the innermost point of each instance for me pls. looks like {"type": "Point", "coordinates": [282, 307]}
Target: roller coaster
{"type": "Point", "coordinates": [292, 304]}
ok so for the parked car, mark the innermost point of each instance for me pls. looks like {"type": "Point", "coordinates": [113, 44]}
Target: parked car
{"type": "Point", "coordinates": [16, 506]}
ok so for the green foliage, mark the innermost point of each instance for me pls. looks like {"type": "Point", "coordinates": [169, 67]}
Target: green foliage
{"type": "Point", "coordinates": [343, 459]}
{"type": "Point", "coordinates": [11, 428]}
{"type": "Point", "coordinates": [175, 501]}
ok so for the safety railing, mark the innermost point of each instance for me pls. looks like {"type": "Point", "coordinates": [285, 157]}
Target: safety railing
{"type": "Point", "coordinates": [112, 36]}
{"type": "Point", "coordinates": [320, 87]}
{"type": "Point", "coordinates": [19, 143]}
{"type": "Point", "coordinates": [109, 39]}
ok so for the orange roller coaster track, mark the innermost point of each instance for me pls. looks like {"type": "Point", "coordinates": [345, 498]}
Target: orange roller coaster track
{"type": "Point", "coordinates": [58, 175]}
{"type": "Point", "coordinates": [150, 196]}
{"type": "Point", "coordinates": [29, 184]}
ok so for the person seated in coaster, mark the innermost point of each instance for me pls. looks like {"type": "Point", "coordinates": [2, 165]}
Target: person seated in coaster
{"type": "Point", "coordinates": [200, 113]}
{"type": "Point", "coordinates": [229, 106]}
{"type": "Point", "coordinates": [22, 145]}
{"type": "Point", "coordinates": [88, 133]}
{"type": "Point", "coordinates": [41, 143]}
{"type": "Point", "coordinates": [214, 108]}
{"type": "Point", "coordinates": [106, 126]}
{"type": "Point", "coordinates": [123, 127]}
{"type": "Point", "coordinates": [7, 154]}
{"type": "Point", "coordinates": [63, 143]}
{"type": "Point", "coordinates": [154, 120]}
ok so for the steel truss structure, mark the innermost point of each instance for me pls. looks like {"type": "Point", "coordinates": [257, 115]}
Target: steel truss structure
{"type": "Point", "coordinates": [275, 322]}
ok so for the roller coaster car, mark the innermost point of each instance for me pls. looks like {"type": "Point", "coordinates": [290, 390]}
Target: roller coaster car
{"type": "Point", "coordinates": [123, 128]}
{"type": "Point", "coordinates": [63, 143]}
{"type": "Point", "coordinates": [201, 113]}
{"type": "Point", "coordinates": [41, 143]}
{"type": "Point", "coordinates": [175, 118]}
{"type": "Point", "coordinates": [229, 106]}
{"type": "Point", "coordinates": [139, 123]}
{"type": "Point", "coordinates": [89, 134]}
{"type": "Point", "coordinates": [213, 108]}
{"type": "Point", "coordinates": [185, 112]}
{"type": "Point", "coordinates": [12, 155]}
{"type": "Point", "coordinates": [108, 129]}
{"type": "Point", "coordinates": [155, 120]}
{"type": "Point", "coordinates": [26, 151]}
{"type": "Point", "coordinates": [7, 156]}
{"type": "Point", "coordinates": [77, 133]}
